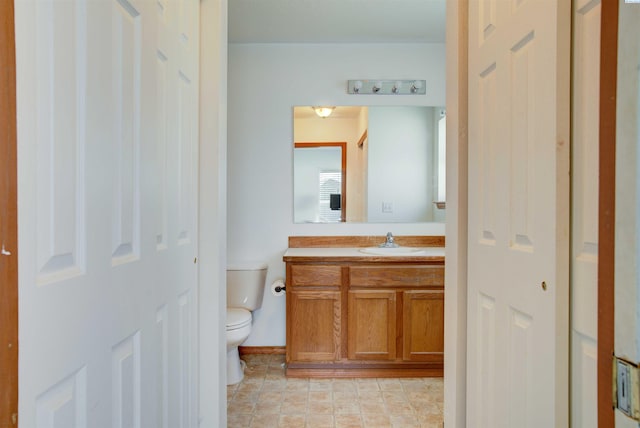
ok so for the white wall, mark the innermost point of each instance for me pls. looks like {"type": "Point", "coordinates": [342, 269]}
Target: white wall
{"type": "Point", "coordinates": [265, 82]}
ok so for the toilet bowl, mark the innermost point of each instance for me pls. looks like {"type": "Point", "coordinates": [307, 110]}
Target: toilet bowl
{"type": "Point", "coordinates": [238, 329]}
{"type": "Point", "coordinates": [245, 290]}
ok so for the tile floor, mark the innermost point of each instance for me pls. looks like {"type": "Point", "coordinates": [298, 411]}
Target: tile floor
{"type": "Point", "coordinates": [266, 398]}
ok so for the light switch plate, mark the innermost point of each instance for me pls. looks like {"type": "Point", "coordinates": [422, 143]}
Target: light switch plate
{"type": "Point", "coordinates": [623, 383]}
{"type": "Point", "coordinates": [626, 384]}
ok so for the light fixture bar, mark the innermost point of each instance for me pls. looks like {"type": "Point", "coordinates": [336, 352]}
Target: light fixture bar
{"type": "Point", "coordinates": [387, 87]}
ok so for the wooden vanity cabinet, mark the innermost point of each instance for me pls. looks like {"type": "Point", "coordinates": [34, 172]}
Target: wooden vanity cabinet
{"type": "Point", "coordinates": [371, 325]}
{"type": "Point", "coordinates": [423, 323]}
{"type": "Point", "coordinates": [365, 319]}
{"type": "Point", "coordinates": [314, 312]}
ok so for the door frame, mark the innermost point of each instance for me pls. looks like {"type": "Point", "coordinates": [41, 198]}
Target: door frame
{"type": "Point", "coordinates": [455, 300]}
{"type": "Point", "coordinates": [606, 209]}
{"type": "Point", "coordinates": [8, 221]}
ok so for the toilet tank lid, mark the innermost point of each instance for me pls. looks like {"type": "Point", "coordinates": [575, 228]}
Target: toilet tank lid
{"type": "Point", "coordinates": [249, 265]}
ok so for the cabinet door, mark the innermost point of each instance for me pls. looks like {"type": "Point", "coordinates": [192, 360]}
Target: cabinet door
{"type": "Point", "coordinates": [313, 325]}
{"type": "Point", "coordinates": [423, 325]}
{"type": "Point", "coordinates": [372, 325]}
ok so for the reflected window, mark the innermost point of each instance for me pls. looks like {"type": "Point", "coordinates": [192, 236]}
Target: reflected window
{"type": "Point", "coordinates": [330, 183]}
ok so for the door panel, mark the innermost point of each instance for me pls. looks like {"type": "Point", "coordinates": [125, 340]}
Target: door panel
{"type": "Point", "coordinates": [518, 213]}
{"type": "Point", "coordinates": [108, 292]}
{"type": "Point", "coordinates": [584, 217]}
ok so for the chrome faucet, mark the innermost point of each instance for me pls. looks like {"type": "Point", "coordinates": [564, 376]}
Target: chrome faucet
{"type": "Point", "coordinates": [389, 243]}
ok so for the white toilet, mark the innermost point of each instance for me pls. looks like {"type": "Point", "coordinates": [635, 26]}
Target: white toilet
{"type": "Point", "coordinates": [245, 289]}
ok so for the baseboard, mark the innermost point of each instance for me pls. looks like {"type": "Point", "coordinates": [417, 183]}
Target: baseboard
{"type": "Point", "coordinates": [275, 350]}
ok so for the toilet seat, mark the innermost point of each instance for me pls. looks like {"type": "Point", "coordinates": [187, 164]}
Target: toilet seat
{"type": "Point", "coordinates": [238, 318]}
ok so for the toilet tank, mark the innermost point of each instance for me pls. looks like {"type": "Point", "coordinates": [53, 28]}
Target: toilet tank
{"type": "Point", "coordinates": [245, 284]}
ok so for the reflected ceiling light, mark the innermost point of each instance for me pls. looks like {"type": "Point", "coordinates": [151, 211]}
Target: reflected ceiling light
{"type": "Point", "coordinates": [323, 112]}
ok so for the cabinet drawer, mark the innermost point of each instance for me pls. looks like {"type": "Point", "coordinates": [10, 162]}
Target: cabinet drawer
{"type": "Point", "coordinates": [396, 276]}
{"type": "Point", "coordinates": [318, 275]}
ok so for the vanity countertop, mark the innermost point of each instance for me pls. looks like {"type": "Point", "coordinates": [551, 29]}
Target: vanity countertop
{"type": "Point", "coordinates": [353, 254]}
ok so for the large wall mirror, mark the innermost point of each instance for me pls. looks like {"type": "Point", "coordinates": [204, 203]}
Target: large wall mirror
{"type": "Point", "coordinates": [375, 164]}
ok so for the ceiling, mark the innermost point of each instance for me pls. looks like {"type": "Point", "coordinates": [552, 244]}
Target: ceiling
{"type": "Point", "coordinates": [336, 21]}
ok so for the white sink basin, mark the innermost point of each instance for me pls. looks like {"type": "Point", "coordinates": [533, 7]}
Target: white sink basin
{"type": "Point", "coordinates": [398, 251]}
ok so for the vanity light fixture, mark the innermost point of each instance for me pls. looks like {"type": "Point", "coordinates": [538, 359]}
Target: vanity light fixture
{"type": "Point", "coordinates": [387, 87]}
{"type": "Point", "coordinates": [323, 112]}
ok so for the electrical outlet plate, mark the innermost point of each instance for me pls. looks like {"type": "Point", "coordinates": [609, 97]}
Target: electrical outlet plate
{"type": "Point", "coordinates": [626, 388]}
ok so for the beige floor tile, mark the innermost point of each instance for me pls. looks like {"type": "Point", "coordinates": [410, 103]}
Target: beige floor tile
{"type": "Point", "coordinates": [320, 396]}
{"type": "Point", "coordinates": [295, 397]}
{"type": "Point", "coordinates": [265, 421]}
{"type": "Point", "coordinates": [346, 407]}
{"type": "Point", "coordinates": [367, 385]}
{"type": "Point", "coordinates": [370, 396]}
{"type": "Point", "coordinates": [349, 421]}
{"type": "Point", "coordinates": [249, 395]}
{"type": "Point", "coordinates": [320, 384]}
{"type": "Point", "coordinates": [390, 384]}
{"type": "Point", "coordinates": [297, 384]}
{"type": "Point", "coordinates": [399, 409]}
{"type": "Point", "coordinates": [291, 421]}
{"type": "Point", "coordinates": [372, 420]}
{"type": "Point", "coordinates": [394, 397]}
{"type": "Point", "coordinates": [345, 395]}
{"type": "Point", "coordinates": [372, 408]}
{"type": "Point", "coordinates": [404, 422]}
{"type": "Point", "coordinates": [267, 398]}
{"type": "Point", "coordinates": [320, 421]}
{"type": "Point", "coordinates": [278, 383]}
{"type": "Point", "coordinates": [320, 407]}
{"type": "Point", "coordinates": [293, 408]}
{"type": "Point", "coordinates": [344, 385]}
{"type": "Point", "coordinates": [433, 420]}
{"type": "Point", "coordinates": [268, 408]}
{"type": "Point", "coordinates": [239, 420]}
{"type": "Point", "coordinates": [239, 406]}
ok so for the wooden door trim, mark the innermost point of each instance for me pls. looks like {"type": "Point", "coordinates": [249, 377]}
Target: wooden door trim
{"type": "Point", "coordinates": [8, 221]}
{"type": "Point", "coordinates": [606, 209]}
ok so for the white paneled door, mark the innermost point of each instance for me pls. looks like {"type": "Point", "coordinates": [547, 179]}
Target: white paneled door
{"type": "Point", "coordinates": [518, 251]}
{"type": "Point", "coordinates": [107, 95]}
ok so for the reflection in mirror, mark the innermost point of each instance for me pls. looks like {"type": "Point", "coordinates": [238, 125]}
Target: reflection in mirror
{"type": "Point", "coordinates": [320, 178]}
{"type": "Point", "coordinates": [393, 169]}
